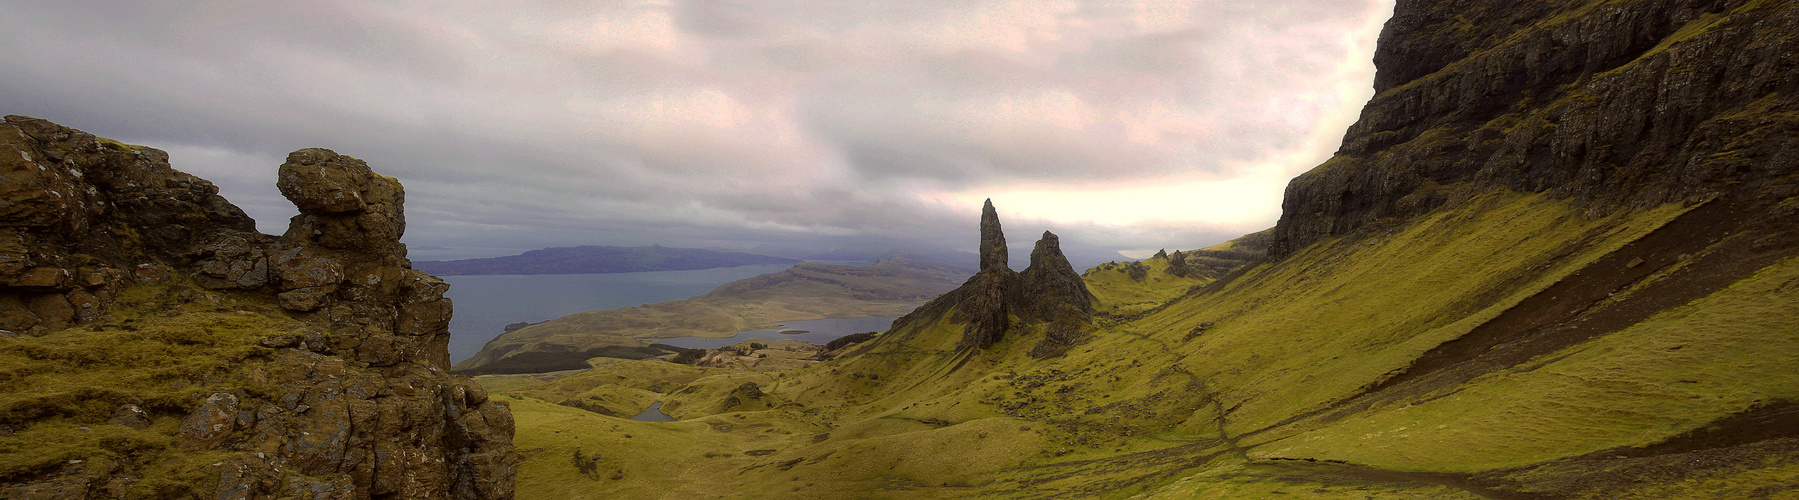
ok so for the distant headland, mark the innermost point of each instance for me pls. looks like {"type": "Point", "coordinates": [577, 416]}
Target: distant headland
{"type": "Point", "coordinates": [594, 259]}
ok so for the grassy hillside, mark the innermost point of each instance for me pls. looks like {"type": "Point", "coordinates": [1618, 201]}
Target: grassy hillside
{"type": "Point", "coordinates": [113, 395]}
{"type": "Point", "coordinates": [806, 291]}
{"type": "Point", "coordinates": [1556, 258]}
{"type": "Point", "coordinates": [1311, 378]}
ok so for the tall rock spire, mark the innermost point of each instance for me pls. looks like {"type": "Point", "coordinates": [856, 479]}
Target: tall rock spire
{"type": "Point", "coordinates": [996, 299]}
{"type": "Point", "coordinates": [993, 240]}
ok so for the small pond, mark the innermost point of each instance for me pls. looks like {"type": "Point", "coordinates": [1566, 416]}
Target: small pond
{"type": "Point", "coordinates": [653, 414]}
{"type": "Point", "coordinates": [817, 331]}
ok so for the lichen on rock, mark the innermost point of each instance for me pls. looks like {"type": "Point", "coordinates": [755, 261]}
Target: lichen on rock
{"type": "Point", "coordinates": [358, 403]}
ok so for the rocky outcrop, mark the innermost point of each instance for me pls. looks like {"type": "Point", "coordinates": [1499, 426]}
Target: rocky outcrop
{"type": "Point", "coordinates": [985, 299]}
{"type": "Point", "coordinates": [1177, 264]}
{"type": "Point", "coordinates": [983, 303]}
{"type": "Point", "coordinates": [1047, 291]}
{"type": "Point", "coordinates": [368, 408]}
{"type": "Point", "coordinates": [993, 240]}
{"type": "Point", "coordinates": [1615, 104]}
{"type": "Point", "coordinates": [81, 217]}
{"type": "Point", "coordinates": [1050, 288]}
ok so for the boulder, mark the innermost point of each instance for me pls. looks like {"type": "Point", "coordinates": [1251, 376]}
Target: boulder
{"type": "Point", "coordinates": [1050, 288]}
{"type": "Point", "coordinates": [371, 410]}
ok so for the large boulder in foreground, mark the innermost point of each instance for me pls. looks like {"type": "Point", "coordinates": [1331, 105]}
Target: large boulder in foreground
{"type": "Point", "coordinates": [312, 365]}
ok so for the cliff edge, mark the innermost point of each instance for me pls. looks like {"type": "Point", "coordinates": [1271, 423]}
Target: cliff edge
{"type": "Point", "coordinates": [1612, 104]}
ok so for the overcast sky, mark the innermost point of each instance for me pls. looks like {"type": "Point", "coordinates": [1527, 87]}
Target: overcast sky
{"type": "Point", "coordinates": [1123, 126]}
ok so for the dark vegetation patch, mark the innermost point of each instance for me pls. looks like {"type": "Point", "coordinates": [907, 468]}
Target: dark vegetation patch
{"type": "Point", "coordinates": [1332, 473]}
{"type": "Point", "coordinates": [1762, 436]}
{"type": "Point", "coordinates": [848, 340]}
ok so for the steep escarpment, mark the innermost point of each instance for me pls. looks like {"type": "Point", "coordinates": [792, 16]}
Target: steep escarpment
{"type": "Point", "coordinates": [156, 346]}
{"type": "Point", "coordinates": [1610, 104]}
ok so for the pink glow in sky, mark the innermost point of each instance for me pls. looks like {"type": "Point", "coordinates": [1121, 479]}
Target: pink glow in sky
{"type": "Point", "coordinates": [1121, 125]}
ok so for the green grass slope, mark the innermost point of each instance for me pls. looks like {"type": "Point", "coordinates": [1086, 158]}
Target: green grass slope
{"type": "Point", "coordinates": [806, 291]}
{"type": "Point", "coordinates": [1314, 379]}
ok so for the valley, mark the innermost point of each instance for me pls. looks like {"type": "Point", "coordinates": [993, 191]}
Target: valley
{"type": "Point", "coordinates": [1556, 257]}
{"type": "Point", "coordinates": [806, 291]}
{"type": "Point", "coordinates": [1540, 289]}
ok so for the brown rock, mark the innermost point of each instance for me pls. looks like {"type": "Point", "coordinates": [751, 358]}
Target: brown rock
{"type": "Point", "coordinates": [45, 278]}
{"type": "Point", "coordinates": [366, 415]}
{"type": "Point", "coordinates": [343, 204]}
{"type": "Point", "coordinates": [233, 262]}
{"type": "Point", "coordinates": [1051, 288]}
{"type": "Point", "coordinates": [130, 416]}
{"type": "Point", "coordinates": [32, 194]}
{"type": "Point", "coordinates": [423, 308]}
{"type": "Point", "coordinates": [306, 278]}
{"type": "Point", "coordinates": [53, 310]}
{"type": "Point", "coordinates": [322, 181]}
{"type": "Point", "coordinates": [210, 424]}
{"type": "Point", "coordinates": [15, 315]}
{"type": "Point", "coordinates": [88, 307]}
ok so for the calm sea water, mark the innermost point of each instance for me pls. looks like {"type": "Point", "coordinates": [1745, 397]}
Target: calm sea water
{"type": "Point", "coordinates": [486, 304]}
{"type": "Point", "coordinates": [818, 331]}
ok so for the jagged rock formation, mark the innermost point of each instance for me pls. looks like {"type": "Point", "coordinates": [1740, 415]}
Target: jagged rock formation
{"type": "Point", "coordinates": [1177, 264]}
{"type": "Point", "coordinates": [1049, 291]}
{"type": "Point", "coordinates": [1616, 104]}
{"type": "Point", "coordinates": [985, 297]}
{"type": "Point", "coordinates": [1050, 288]}
{"type": "Point", "coordinates": [806, 291]}
{"type": "Point", "coordinates": [993, 240]}
{"type": "Point", "coordinates": [366, 407]}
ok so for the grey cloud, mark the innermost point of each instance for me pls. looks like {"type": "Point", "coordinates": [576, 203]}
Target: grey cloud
{"type": "Point", "coordinates": [508, 126]}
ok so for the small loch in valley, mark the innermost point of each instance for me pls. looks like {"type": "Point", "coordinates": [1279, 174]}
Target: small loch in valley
{"type": "Point", "coordinates": [653, 414]}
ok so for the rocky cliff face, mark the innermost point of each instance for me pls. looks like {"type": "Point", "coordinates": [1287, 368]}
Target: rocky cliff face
{"type": "Point", "coordinates": [355, 404]}
{"type": "Point", "coordinates": [1616, 104]}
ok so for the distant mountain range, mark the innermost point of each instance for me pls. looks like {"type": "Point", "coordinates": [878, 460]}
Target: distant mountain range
{"type": "Point", "coordinates": [593, 259]}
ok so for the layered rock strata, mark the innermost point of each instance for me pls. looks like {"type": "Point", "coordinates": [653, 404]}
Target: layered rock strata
{"type": "Point", "coordinates": [1616, 104]}
{"type": "Point", "coordinates": [368, 409]}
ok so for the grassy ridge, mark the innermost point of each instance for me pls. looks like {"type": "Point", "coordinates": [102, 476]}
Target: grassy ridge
{"type": "Point", "coordinates": [1679, 371]}
{"type": "Point", "coordinates": [806, 291]}
{"type": "Point", "coordinates": [591, 259]}
{"type": "Point", "coordinates": [1162, 407]}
